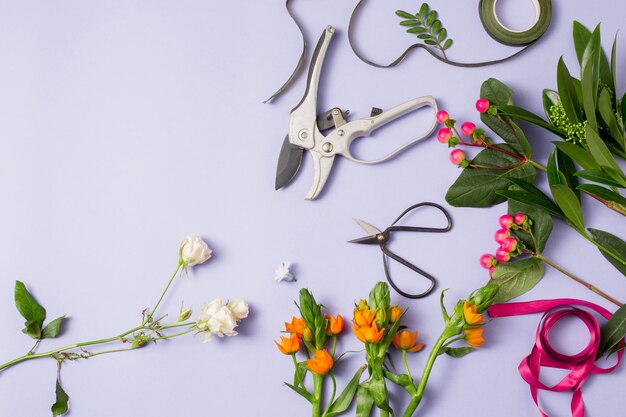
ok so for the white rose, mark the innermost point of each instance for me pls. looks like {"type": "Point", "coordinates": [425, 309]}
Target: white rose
{"type": "Point", "coordinates": [194, 251]}
{"type": "Point", "coordinates": [238, 308]}
{"type": "Point", "coordinates": [216, 318]}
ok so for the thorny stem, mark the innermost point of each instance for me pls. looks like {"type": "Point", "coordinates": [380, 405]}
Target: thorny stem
{"type": "Point", "coordinates": [578, 280]}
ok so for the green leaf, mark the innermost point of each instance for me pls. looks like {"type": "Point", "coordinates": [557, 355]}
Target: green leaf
{"type": "Point", "coordinates": [417, 29]}
{"type": "Point", "coordinates": [568, 202]}
{"type": "Point", "coordinates": [516, 278]}
{"type": "Point", "coordinates": [410, 22]}
{"type": "Point", "coordinates": [378, 389]}
{"type": "Point", "coordinates": [605, 105]}
{"type": "Point", "coordinates": [344, 400]}
{"type": "Point", "coordinates": [623, 108]}
{"type": "Point", "coordinates": [436, 26]}
{"type": "Point", "coordinates": [423, 11]}
{"type": "Point", "coordinates": [364, 401]}
{"type": "Point", "coordinates": [542, 224]}
{"type": "Point", "coordinates": [599, 150]}
{"type": "Point", "coordinates": [550, 98]}
{"type": "Point", "coordinates": [582, 35]}
{"type": "Point", "coordinates": [561, 170]}
{"type": "Point", "coordinates": [457, 352]}
{"type": "Point", "coordinates": [538, 195]}
{"type": "Point", "coordinates": [600, 176]}
{"type": "Point", "coordinates": [614, 66]}
{"type": "Point", "coordinates": [567, 93]}
{"type": "Point", "coordinates": [612, 199]}
{"type": "Point", "coordinates": [404, 15]}
{"type": "Point", "coordinates": [613, 331]}
{"type": "Point", "coordinates": [30, 309]}
{"type": "Point", "coordinates": [578, 154]}
{"type": "Point", "coordinates": [425, 36]}
{"type": "Point", "coordinates": [447, 44]}
{"type": "Point", "coordinates": [496, 92]}
{"type": "Point", "coordinates": [403, 379]}
{"type": "Point", "coordinates": [304, 393]}
{"type": "Point", "coordinates": [442, 35]}
{"type": "Point", "coordinates": [53, 328]}
{"type": "Point", "coordinates": [430, 42]}
{"type": "Point", "coordinates": [590, 76]}
{"type": "Point", "coordinates": [299, 373]}
{"type": "Point", "coordinates": [432, 16]}
{"type": "Point", "coordinates": [60, 406]}
{"type": "Point", "coordinates": [555, 176]}
{"type": "Point", "coordinates": [478, 187]}
{"type": "Point", "coordinates": [614, 244]}
{"type": "Point", "coordinates": [525, 115]}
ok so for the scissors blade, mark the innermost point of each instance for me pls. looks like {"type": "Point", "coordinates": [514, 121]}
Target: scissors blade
{"type": "Point", "coordinates": [369, 229]}
{"type": "Point", "coordinates": [289, 162]}
{"type": "Point", "coordinates": [322, 166]}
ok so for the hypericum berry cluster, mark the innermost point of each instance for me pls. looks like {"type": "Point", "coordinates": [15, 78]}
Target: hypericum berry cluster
{"type": "Point", "coordinates": [510, 246]}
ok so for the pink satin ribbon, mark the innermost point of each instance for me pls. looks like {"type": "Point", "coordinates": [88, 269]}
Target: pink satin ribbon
{"type": "Point", "coordinates": [580, 365]}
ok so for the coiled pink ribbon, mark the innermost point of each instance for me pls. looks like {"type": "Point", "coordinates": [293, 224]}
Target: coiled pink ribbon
{"type": "Point", "coordinates": [581, 365]}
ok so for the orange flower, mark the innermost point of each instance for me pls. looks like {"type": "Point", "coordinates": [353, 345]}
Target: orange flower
{"type": "Point", "coordinates": [471, 316]}
{"type": "Point", "coordinates": [289, 345]}
{"type": "Point", "coordinates": [296, 326]}
{"type": "Point", "coordinates": [368, 334]}
{"type": "Point", "coordinates": [321, 363]}
{"type": "Point", "coordinates": [474, 337]}
{"type": "Point", "coordinates": [335, 325]}
{"type": "Point", "coordinates": [363, 317]}
{"type": "Point", "coordinates": [407, 341]}
{"type": "Point", "coordinates": [396, 312]}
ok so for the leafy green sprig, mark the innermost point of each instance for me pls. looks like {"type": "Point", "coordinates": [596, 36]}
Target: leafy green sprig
{"type": "Point", "coordinates": [427, 27]}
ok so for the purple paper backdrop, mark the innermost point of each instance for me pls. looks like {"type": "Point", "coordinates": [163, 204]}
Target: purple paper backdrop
{"type": "Point", "coordinates": [126, 125]}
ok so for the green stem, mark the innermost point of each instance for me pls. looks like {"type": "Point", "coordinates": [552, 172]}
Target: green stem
{"type": "Point", "coordinates": [537, 165]}
{"type": "Point", "coordinates": [332, 397]}
{"type": "Point", "coordinates": [334, 346]}
{"type": "Point", "coordinates": [148, 319]}
{"type": "Point", "coordinates": [406, 366]}
{"type": "Point", "coordinates": [318, 381]}
{"type": "Point", "coordinates": [579, 280]}
{"type": "Point", "coordinates": [425, 374]}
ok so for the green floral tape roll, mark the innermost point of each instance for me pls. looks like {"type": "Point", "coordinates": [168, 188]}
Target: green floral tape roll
{"type": "Point", "coordinates": [508, 36]}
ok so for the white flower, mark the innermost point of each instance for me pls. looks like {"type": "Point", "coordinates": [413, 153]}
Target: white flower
{"type": "Point", "coordinates": [216, 318]}
{"type": "Point", "coordinates": [281, 273]}
{"type": "Point", "coordinates": [238, 308]}
{"type": "Point", "coordinates": [194, 251]}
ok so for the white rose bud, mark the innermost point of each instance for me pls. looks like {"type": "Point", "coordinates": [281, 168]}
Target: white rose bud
{"type": "Point", "coordinates": [194, 251]}
{"type": "Point", "coordinates": [238, 308]}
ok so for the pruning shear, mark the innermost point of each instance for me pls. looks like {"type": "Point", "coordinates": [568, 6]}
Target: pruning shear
{"type": "Point", "coordinates": [382, 238]}
{"type": "Point", "coordinates": [305, 129]}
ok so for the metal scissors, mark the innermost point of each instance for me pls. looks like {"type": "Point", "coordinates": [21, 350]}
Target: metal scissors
{"type": "Point", "coordinates": [305, 129]}
{"type": "Point", "coordinates": [382, 238]}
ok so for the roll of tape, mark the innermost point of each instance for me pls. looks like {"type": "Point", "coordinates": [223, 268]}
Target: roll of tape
{"type": "Point", "coordinates": [508, 36]}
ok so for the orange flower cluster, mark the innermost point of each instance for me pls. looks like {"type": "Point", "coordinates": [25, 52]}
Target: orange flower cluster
{"type": "Point", "coordinates": [473, 335]}
{"type": "Point", "coordinates": [365, 327]}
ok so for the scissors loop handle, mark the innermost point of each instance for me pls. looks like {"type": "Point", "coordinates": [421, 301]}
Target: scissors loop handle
{"type": "Point", "coordinates": [402, 261]}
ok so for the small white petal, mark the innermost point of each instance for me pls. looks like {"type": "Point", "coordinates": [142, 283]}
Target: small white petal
{"type": "Point", "coordinates": [282, 273]}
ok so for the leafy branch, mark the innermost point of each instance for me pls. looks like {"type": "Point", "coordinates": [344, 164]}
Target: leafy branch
{"type": "Point", "coordinates": [425, 25]}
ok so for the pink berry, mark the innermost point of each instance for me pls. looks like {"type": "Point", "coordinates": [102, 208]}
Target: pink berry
{"type": "Point", "coordinates": [502, 255]}
{"type": "Point", "coordinates": [506, 220]}
{"type": "Point", "coordinates": [442, 116]}
{"type": "Point", "coordinates": [444, 135]}
{"type": "Point", "coordinates": [457, 156]}
{"type": "Point", "coordinates": [520, 218]}
{"type": "Point", "coordinates": [468, 128]}
{"type": "Point", "coordinates": [491, 271]}
{"type": "Point", "coordinates": [486, 261]}
{"type": "Point", "coordinates": [509, 244]}
{"type": "Point", "coordinates": [482, 105]}
{"type": "Point", "coordinates": [502, 234]}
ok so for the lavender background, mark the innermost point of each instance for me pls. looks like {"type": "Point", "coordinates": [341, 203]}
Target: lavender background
{"type": "Point", "coordinates": [126, 125]}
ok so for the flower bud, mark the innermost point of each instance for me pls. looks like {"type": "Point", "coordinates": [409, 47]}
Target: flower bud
{"type": "Point", "coordinates": [379, 296]}
{"type": "Point", "coordinates": [307, 334]}
{"type": "Point", "coordinates": [141, 342]}
{"type": "Point", "coordinates": [444, 135]}
{"type": "Point", "coordinates": [193, 251]}
{"type": "Point", "coordinates": [483, 298]}
{"type": "Point", "coordinates": [502, 255]}
{"type": "Point", "coordinates": [362, 305]}
{"type": "Point", "coordinates": [509, 244]}
{"type": "Point", "coordinates": [486, 261]}
{"type": "Point", "coordinates": [457, 156]}
{"type": "Point", "coordinates": [381, 317]}
{"type": "Point", "coordinates": [468, 128]}
{"type": "Point", "coordinates": [482, 105]}
{"type": "Point", "coordinates": [442, 116]}
{"type": "Point", "coordinates": [185, 314]}
{"type": "Point", "coordinates": [396, 313]}
{"type": "Point", "coordinates": [501, 235]}
{"type": "Point", "coordinates": [506, 220]}
{"type": "Point", "coordinates": [520, 219]}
